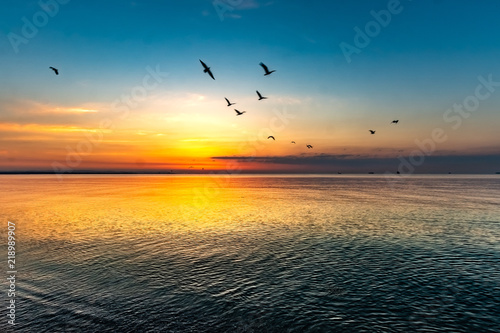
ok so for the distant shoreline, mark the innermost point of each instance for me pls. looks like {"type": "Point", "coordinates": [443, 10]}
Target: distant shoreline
{"type": "Point", "coordinates": [85, 173]}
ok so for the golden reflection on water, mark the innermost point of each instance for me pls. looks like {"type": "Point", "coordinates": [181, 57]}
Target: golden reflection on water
{"type": "Point", "coordinates": [99, 206]}
{"type": "Point", "coordinates": [103, 206]}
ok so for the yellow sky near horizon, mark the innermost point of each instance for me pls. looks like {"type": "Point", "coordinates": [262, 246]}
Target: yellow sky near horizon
{"type": "Point", "coordinates": [185, 131]}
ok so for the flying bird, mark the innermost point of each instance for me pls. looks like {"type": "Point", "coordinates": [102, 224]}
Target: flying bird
{"type": "Point", "coordinates": [266, 69]}
{"type": "Point", "coordinates": [293, 141]}
{"type": "Point", "coordinates": [239, 113]}
{"type": "Point", "coordinates": [260, 96]}
{"type": "Point", "coordinates": [394, 121]}
{"type": "Point", "coordinates": [309, 147]}
{"type": "Point", "coordinates": [207, 70]}
{"type": "Point", "coordinates": [271, 137]}
{"type": "Point", "coordinates": [228, 102]}
{"type": "Point", "coordinates": [372, 131]}
{"type": "Point", "coordinates": [55, 70]}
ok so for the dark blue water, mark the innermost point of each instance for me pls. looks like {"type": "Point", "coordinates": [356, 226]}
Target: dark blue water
{"type": "Point", "coordinates": [255, 254]}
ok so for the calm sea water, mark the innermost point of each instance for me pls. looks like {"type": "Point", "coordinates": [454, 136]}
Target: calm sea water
{"type": "Point", "coordinates": [254, 253]}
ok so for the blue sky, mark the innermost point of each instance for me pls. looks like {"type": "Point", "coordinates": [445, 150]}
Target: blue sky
{"type": "Point", "coordinates": [426, 59]}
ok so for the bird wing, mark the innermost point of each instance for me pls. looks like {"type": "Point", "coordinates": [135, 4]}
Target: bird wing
{"type": "Point", "coordinates": [204, 65]}
{"type": "Point", "coordinates": [227, 100]}
{"type": "Point", "coordinates": [258, 93]}
{"type": "Point", "coordinates": [265, 67]}
{"type": "Point", "coordinates": [210, 73]}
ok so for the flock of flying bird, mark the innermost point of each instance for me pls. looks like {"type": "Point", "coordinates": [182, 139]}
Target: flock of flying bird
{"type": "Point", "coordinates": [207, 70]}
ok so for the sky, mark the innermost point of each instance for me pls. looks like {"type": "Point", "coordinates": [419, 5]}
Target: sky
{"type": "Point", "coordinates": [131, 93]}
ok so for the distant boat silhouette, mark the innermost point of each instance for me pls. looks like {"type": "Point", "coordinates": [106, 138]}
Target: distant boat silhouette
{"type": "Point", "coordinates": [266, 69]}
{"type": "Point", "coordinates": [260, 96]}
{"type": "Point", "coordinates": [239, 113]}
{"type": "Point", "coordinates": [55, 70]}
{"type": "Point", "coordinates": [372, 131]}
{"type": "Point", "coordinates": [228, 102]}
{"type": "Point", "coordinates": [371, 173]}
{"type": "Point", "coordinates": [271, 137]}
{"type": "Point", "coordinates": [338, 172]}
{"type": "Point", "coordinates": [394, 121]}
{"type": "Point", "coordinates": [207, 70]}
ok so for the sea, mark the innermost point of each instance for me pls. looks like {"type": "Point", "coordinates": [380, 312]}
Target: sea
{"type": "Point", "coordinates": [251, 253]}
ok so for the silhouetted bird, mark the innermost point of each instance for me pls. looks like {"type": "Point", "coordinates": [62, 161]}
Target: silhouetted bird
{"type": "Point", "coordinates": [266, 69]}
{"type": "Point", "coordinates": [394, 121]}
{"type": "Point", "coordinates": [207, 70]}
{"type": "Point", "coordinates": [309, 147]}
{"type": "Point", "coordinates": [55, 70]}
{"type": "Point", "coordinates": [372, 131]}
{"type": "Point", "coordinates": [260, 96]}
{"type": "Point", "coordinates": [293, 141]}
{"type": "Point", "coordinates": [271, 137]}
{"type": "Point", "coordinates": [239, 113]}
{"type": "Point", "coordinates": [228, 102]}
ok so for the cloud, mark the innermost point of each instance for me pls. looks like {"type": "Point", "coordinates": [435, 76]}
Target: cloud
{"type": "Point", "coordinates": [486, 163]}
{"type": "Point", "coordinates": [24, 112]}
{"type": "Point", "coordinates": [234, 16]}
